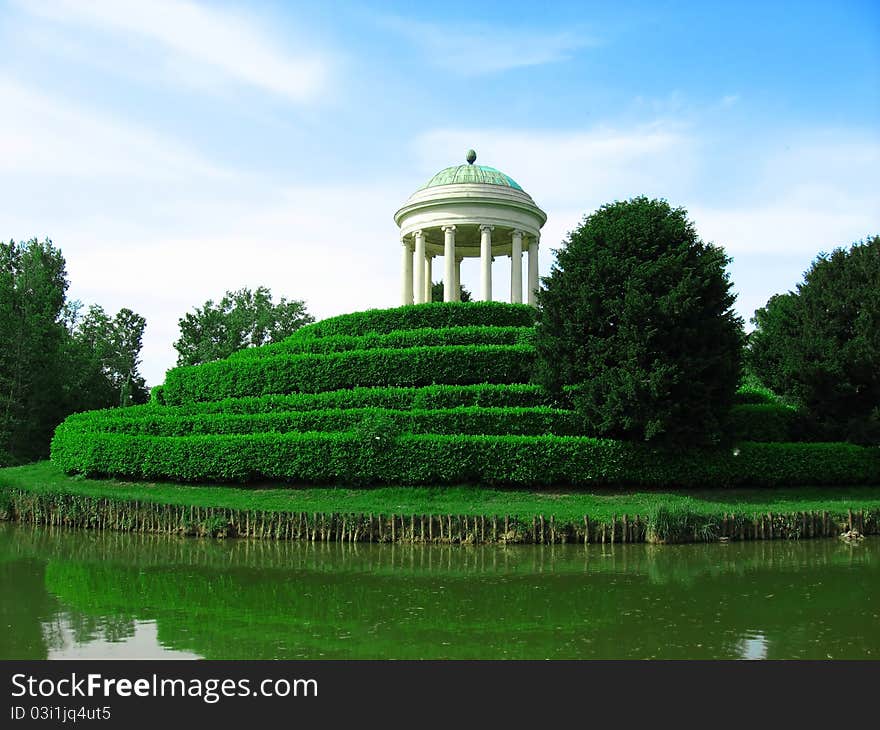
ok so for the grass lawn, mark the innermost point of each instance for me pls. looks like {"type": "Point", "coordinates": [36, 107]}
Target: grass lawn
{"type": "Point", "coordinates": [600, 505]}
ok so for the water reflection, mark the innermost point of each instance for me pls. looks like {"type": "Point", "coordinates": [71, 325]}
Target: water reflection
{"type": "Point", "coordinates": [139, 641]}
{"type": "Point", "coordinates": [90, 594]}
{"type": "Point", "coordinates": [754, 647]}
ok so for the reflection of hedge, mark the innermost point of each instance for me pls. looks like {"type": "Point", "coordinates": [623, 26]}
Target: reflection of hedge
{"type": "Point", "coordinates": [425, 337]}
{"type": "Point", "coordinates": [313, 373]}
{"type": "Point", "coordinates": [199, 605]}
{"type": "Point", "coordinates": [418, 316]}
{"type": "Point", "coordinates": [530, 461]}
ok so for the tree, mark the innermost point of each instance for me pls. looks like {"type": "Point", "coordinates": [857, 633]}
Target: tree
{"type": "Point", "coordinates": [819, 346]}
{"type": "Point", "coordinates": [33, 283]}
{"type": "Point", "coordinates": [437, 292]}
{"type": "Point", "coordinates": [242, 318]}
{"type": "Point", "coordinates": [637, 317]}
{"type": "Point", "coordinates": [104, 357]}
{"type": "Point", "coordinates": [53, 359]}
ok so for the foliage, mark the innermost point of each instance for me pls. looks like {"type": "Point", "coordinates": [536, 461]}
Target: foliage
{"type": "Point", "coordinates": [468, 419]}
{"type": "Point", "coordinates": [638, 314]}
{"type": "Point", "coordinates": [533, 461]}
{"type": "Point", "coordinates": [748, 422]}
{"type": "Point", "coordinates": [819, 346]}
{"type": "Point", "coordinates": [422, 337]}
{"type": "Point", "coordinates": [679, 523]}
{"type": "Point", "coordinates": [766, 422]}
{"type": "Point", "coordinates": [242, 318]}
{"type": "Point", "coordinates": [53, 359]}
{"type": "Point", "coordinates": [458, 364]}
{"type": "Point", "coordinates": [394, 397]}
{"type": "Point", "coordinates": [752, 390]}
{"type": "Point", "coordinates": [437, 292]}
{"type": "Point", "coordinates": [33, 283]}
{"type": "Point", "coordinates": [419, 316]}
{"type": "Point", "coordinates": [105, 355]}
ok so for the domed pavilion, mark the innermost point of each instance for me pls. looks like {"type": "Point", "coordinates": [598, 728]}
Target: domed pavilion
{"type": "Point", "coordinates": [468, 211]}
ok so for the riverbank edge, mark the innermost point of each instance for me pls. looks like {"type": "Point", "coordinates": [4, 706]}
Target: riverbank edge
{"type": "Point", "coordinates": [61, 507]}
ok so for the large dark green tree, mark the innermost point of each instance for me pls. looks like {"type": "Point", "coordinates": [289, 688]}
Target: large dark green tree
{"type": "Point", "coordinates": [637, 318]}
{"type": "Point", "coordinates": [33, 284]}
{"type": "Point", "coordinates": [819, 346]}
{"type": "Point", "coordinates": [53, 359]}
{"type": "Point", "coordinates": [241, 319]}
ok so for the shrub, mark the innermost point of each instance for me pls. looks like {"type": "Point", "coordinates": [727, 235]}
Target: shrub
{"type": "Point", "coordinates": [393, 397]}
{"type": "Point", "coordinates": [470, 420]}
{"type": "Point", "coordinates": [765, 422]}
{"type": "Point", "coordinates": [424, 337]}
{"type": "Point", "coordinates": [527, 461]}
{"type": "Point", "coordinates": [157, 395]}
{"type": "Point", "coordinates": [313, 373]}
{"type": "Point", "coordinates": [819, 346]}
{"type": "Point", "coordinates": [638, 314]}
{"type": "Point", "coordinates": [418, 316]}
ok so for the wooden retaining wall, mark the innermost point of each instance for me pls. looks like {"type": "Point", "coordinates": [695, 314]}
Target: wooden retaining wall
{"type": "Point", "coordinates": [149, 517]}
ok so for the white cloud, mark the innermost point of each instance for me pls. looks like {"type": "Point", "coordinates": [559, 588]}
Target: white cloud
{"type": "Point", "coordinates": [574, 169]}
{"type": "Point", "coordinates": [46, 136]}
{"type": "Point", "coordinates": [336, 247]}
{"type": "Point", "coordinates": [197, 43]}
{"type": "Point", "coordinates": [470, 49]}
{"type": "Point", "coordinates": [813, 193]}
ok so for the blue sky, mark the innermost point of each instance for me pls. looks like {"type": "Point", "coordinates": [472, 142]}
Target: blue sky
{"type": "Point", "coordinates": [174, 150]}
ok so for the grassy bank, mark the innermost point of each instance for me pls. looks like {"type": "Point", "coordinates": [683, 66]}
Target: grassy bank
{"type": "Point", "coordinates": [42, 494]}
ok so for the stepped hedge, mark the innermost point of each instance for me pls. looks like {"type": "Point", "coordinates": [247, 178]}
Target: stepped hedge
{"type": "Point", "coordinates": [360, 458]}
{"type": "Point", "coordinates": [769, 423]}
{"type": "Point", "coordinates": [419, 316]}
{"type": "Point", "coordinates": [397, 397]}
{"type": "Point", "coordinates": [457, 364]}
{"type": "Point", "coordinates": [425, 337]}
{"type": "Point", "coordinates": [469, 420]}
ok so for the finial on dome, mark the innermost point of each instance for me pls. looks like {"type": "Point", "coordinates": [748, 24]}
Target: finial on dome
{"type": "Point", "coordinates": [471, 157]}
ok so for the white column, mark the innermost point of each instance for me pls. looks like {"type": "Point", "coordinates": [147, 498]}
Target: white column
{"type": "Point", "coordinates": [419, 266]}
{"type": "Point", "coordinates": [516, 268]}
{"type": "Point", "coordinates": [457, 288]}
{"type": "Point", "coordinates": [429, 276]}
{"type": "Point", "coordinates": [406, 292]}
{"type": "Point", "coordinates": [533, 270]}
{"type": "Point", "coordinates": [449, 261]}
{"type": "Point", "coordinates": [486, 261]}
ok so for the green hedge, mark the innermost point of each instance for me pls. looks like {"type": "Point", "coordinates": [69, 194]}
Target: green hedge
{"type": "Point", "coordinates": [459, 364]}
{"type": "Point", "coordinates": [749, 395]}
{"type": "Point", "coordinates": [487, 395]}
{"type": "Point", "coordinates": [425, 337]}
{"type": "Point", "coordinates": [339, 410]}
{"type": "Point", "coordinates": [367, 457]}
{"type": "Point", "coordinates": [418, 316]}
{"type": "Point", "coordinates": [469, 420]}
{"type": "Point", "coordinates": [766, 422]}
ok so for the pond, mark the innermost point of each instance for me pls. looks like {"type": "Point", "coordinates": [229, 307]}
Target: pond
{"type": "Point", "coordinates": [69, 594]}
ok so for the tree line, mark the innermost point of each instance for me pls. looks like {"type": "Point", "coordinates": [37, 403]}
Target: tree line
{"type": "Point", "coordinates": [59, 356]}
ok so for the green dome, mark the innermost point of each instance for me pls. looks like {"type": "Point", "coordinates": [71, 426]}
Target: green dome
{"type": "Point", "coordinates": [471, 174]}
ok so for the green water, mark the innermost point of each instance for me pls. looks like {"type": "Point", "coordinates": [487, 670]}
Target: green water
{"type": "Point", "coordinates": [87, 594]}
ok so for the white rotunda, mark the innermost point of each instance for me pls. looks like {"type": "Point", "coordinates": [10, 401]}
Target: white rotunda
{"type": "Point", "coordinates": [468, 211]}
